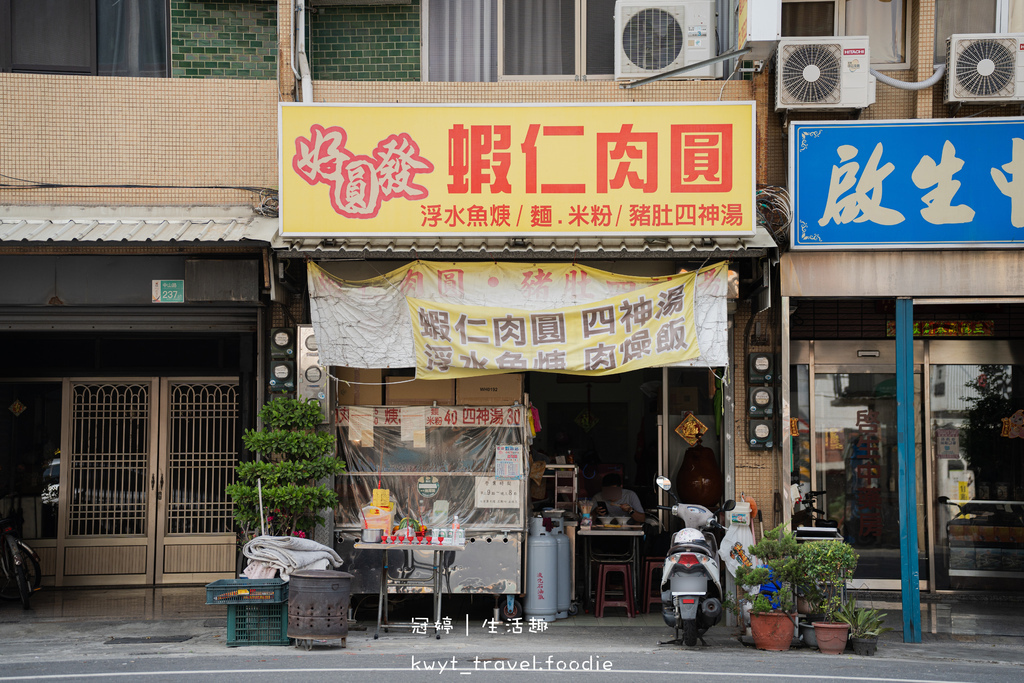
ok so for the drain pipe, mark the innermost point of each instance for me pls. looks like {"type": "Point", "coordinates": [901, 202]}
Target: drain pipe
{"type": "Point", "coordinates": [940, 70]}
{"type": "Point", "coordinates": [300, 60]}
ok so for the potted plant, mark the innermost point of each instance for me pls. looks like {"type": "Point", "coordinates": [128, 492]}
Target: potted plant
{"type": "Point", "coordinates": [293, 457]}
{"type": "Point", "coordinates": [771, 623]}
{"type": "Point", "coordinates": [829, 565]}
{"type": "Point", "coordinates": [865, 627]}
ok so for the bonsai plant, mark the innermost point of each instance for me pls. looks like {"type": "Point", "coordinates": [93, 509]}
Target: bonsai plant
{"type": "Point", "coordinates": [828, 565]}
{"type": "Point", "coordinates": [865, 627]}
{"type": "Point", "coordinates": [292, 457]}
{"type": "Point", "coordinates": [770, 620]}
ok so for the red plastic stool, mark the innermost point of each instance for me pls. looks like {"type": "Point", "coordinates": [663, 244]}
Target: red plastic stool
{"type": "Point", "coordinates": [652, 566]}
{"type": "Point", "coordinates": [608, 568]}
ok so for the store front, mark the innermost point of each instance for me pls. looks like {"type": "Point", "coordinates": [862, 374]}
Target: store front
{"type": "Point", "coordinates": [128, 382]}
{"type": "Point", "coordinates": [492, 260]}
{"type": "Point", "coordinates": [845, 285]}
{"type": "Point", "coordinates": [591, 424]}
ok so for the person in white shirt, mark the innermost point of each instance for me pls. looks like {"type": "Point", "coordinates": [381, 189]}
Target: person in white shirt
{"type": "Point", "coordinates": [615, 501]}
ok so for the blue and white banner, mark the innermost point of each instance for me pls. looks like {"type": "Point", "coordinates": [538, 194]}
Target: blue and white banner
{"type": "Point", "coordinates": [921, 184]}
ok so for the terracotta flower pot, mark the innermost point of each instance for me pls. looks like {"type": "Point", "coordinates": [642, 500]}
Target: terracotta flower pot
{"type": "Point", "coordinates": [771, 631]}
{"type": "Point", "coordinates": [831, 637]}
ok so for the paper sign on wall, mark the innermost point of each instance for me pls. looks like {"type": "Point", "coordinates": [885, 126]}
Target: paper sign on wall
{"type": "Point", "coordinates": [439, 515]}
{"type": "Point", "coordinates": [947, 444]}
{"type": "Point", "coordinates": [360, 426]}
{"type": "Point", "coordinates": [496, 493]}
{"type": "Point", "coordinates": [414, 426]}
{"type": "Point", "coordinates": [506, 461]}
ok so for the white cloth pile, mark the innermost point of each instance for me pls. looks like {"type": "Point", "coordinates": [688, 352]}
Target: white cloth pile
{"type": "Point", "coordinates": [286, 554]}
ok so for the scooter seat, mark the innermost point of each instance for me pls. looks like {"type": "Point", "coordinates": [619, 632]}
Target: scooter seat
{"type": "Point", "coordinates": [702, 547]}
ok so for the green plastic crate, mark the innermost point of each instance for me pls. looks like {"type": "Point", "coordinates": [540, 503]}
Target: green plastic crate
{"type": "Point", "coordinates": [246, 591]}
{"type": "Point", "coordinates": [259, 624]}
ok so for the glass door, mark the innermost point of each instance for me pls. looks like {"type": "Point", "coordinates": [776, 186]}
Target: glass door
{"type": "Point", "coordinates": [976, 424]}
{"type": "Point", "coordinates": [858, 468]}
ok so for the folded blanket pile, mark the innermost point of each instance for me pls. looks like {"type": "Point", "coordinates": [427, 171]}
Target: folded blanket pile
{"type": "Point", "coordinates": [286, 554]}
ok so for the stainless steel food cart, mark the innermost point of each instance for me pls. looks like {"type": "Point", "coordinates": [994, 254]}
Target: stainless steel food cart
{"type": "Point", "coordinates": [437, 462]}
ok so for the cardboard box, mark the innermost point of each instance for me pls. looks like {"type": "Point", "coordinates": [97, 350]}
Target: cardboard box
{"type": "Point", "coordinates": [420, 392]}
{"type": "Point", "coordinates": [368, 393]}
{"type": "Point", "coordinates": [682, 399]}
{"type": "Point", "coordinates": [489, 390]}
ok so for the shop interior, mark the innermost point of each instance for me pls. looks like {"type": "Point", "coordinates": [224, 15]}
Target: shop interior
{"type": "Point", "coordinates": [604, 425]}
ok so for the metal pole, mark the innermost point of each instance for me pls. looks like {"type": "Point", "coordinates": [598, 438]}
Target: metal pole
{"type": "Point", "coordinates": [910, 580]}
{"type": "Point", "coordinates": [683, 69]}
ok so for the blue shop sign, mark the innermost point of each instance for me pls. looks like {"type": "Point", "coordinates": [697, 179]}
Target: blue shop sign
{"type": "Point", "coordinates": [907, 184]}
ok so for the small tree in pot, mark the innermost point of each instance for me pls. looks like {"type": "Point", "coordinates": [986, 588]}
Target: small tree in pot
{"type": "Point", "coordinates": [294, 456]}
{"type": "Point", "coordinates": [770, 620]}
{"type": "Point", "coordinates": [865, 627]}
{"type": "Point", "coordinates": [828, 565]}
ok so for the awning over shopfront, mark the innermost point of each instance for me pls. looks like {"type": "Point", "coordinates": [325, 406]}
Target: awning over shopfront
{"type": "Point", "coordinates": [578, 247]}
{"type": "Point", "coordinates": [367, 324]}
{"type": "Point", "coordinates": [24, 225]}
{"type": "Point", "coordinates": [931, 274]}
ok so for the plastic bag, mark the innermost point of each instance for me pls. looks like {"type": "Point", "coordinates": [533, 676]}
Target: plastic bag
{"type": "Point", "coordinates": [735, 549]}
{"type": "Point", "coordinates": [375, 517]}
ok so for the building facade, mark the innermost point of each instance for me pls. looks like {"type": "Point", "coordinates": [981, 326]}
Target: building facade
{"type": "Point", "coordinates": [147, 154]}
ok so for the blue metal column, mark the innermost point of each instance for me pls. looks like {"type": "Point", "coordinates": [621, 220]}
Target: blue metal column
{"type": "Point", "coordinates": [907, 470]}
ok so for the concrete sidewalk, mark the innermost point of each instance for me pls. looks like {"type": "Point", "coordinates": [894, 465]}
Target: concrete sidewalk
{"type": "Point", "coordinates": [95, 624]}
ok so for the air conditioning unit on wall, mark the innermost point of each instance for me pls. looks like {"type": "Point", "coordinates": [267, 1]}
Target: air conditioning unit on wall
{"type": "Point", "coordinates": [824, 73]}
{"type": "Point", "coordinates": [655, 36]}
{"type": "Point", "coordinates": [985, 67]}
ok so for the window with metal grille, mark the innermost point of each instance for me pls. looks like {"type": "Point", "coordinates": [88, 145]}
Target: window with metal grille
{"type": "Point", "coordinates": [88, 37]}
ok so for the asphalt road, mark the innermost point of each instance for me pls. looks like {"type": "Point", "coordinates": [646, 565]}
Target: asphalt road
{"type": "Point", "coordinates": [663, 664]}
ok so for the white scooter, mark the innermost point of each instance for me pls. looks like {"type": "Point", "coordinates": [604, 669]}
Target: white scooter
{"type": "Point", "coordinates": [691, 590]}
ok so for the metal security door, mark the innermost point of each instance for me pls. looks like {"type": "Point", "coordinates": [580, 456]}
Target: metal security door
{"type": "Point", "coordinates": [196, 540]}
{"type": "Point", "coordinates": [106, 532]}
{"type": "Point", "coordinates": [146, 468]}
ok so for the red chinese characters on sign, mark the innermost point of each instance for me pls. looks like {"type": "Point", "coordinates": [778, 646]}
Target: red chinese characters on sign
{"type": "Point", "coordinates": [529, 148]}
{"type": "Point", "coordinates": [707, 215]}
{"type": "Point", "coordinates": [701, 158]}
{"type": "Point", "coordinates": [480, 156]}
{"type": "Point", "coordinates": [628, 158]}
{"type": "Point", "coordinates": [359, 183]}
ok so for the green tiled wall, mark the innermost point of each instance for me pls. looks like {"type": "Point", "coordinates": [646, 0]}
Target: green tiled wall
{"type": "Point", "coordinates": [366, 43]}
{"type": "Point", "coordinates": [223, 39]}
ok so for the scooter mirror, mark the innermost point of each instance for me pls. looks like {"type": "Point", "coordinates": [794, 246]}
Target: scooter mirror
{"type": "Point", "coordinates": [663, 483]}
{"type": "Point", "coordinates": [943, 499]}
{"type": "Point", "coordinates": [729, 505]}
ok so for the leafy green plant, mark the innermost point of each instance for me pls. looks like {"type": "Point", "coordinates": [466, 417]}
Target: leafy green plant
{"type": "Point", "coordinates": [780, 567]}
{"type": "Point", "coordinates": [293, 458]}
{"type": "Point", "coordinates": [828, 565]}
{"type": "Point", "coordinates": [864, 622]}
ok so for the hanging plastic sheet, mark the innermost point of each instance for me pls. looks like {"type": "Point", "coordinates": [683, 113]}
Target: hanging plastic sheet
{"type": "Point", "coordinates": [449, 472]}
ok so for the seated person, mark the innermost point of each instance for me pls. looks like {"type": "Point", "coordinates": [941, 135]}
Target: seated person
{"type": "Point", "coordinates": [615, 501]}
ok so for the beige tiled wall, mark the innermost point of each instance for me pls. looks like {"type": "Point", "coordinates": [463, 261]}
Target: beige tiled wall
{"type": "Point", "coordinates": [530, 91]}
{"type": "Point", "coordinates": [76, 130]}
{"type": "Point", "coordinates": [73, 130]}
{"type": "Point", "coordinates": [757, 472]}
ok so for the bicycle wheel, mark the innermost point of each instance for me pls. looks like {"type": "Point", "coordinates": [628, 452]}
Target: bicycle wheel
{"type": "Point", "coordinates": [31, 564]}
{"type": "Point", "coordinates": [8, 578]}
{"type": "Point", "coordinates": [15, 573]}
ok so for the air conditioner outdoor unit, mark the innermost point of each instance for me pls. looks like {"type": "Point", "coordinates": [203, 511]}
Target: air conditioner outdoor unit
{"type": "Point", "coordinates": [985, 67]}
{"type": "Point", "coordinates": [655, 36]}
{"type": "Point", "coordinates": [824, 73]}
